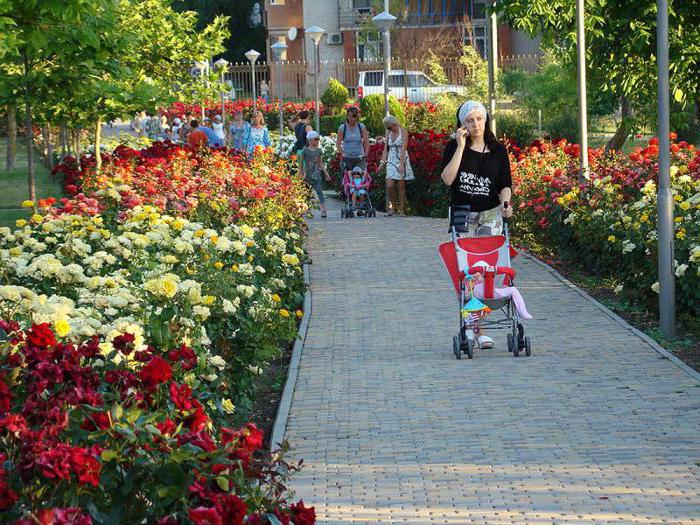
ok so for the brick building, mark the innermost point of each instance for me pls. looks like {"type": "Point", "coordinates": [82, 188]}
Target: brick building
{"type": "Point", "coordinates": [344, 19]}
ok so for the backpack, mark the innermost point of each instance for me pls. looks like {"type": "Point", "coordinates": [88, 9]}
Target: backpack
{"type": "Point", "coordinates": [345, 125]}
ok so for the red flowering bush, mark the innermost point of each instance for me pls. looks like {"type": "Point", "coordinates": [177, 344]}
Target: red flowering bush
{"type": "Point", "coordinates": [214, 186]}
{"type": "Point", "coordinates": [607, 223]}
{"type": "Point", "coordinates": [426, 195]}
{"type": "Point", "coordinates": [86, 442]}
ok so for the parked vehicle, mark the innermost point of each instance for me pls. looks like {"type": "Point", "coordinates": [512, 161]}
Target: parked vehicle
{"type": "Point", "coordinates": [414, 85]}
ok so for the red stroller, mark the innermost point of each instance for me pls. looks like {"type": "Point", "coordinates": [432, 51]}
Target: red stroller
{"type": "Point", "coordinates": [489, 258]}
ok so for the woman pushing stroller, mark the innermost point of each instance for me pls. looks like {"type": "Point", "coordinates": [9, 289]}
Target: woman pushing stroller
{"type": "Point", "coordinates": [476, 167]}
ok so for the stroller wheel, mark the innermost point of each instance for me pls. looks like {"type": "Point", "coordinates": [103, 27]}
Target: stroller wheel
{"type": "Point", "coordinates": [456, 347]}
{"type": "Point", "coordinates": [468, 347]}
{"type": "Point", "coordinates": [516, 350]}
{"type": "Point", "coordinates": [511, 343]}
{"type": "Point", "coordinates": [521, 336]}
{"type": "Point", "coordinates": [527, 347]}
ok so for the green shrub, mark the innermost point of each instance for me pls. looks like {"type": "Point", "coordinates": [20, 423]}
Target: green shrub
{"type": "Point", "coordinates": [516, 127]}
{"type": "Point", "coordinates": [372, 110]}
{"type": "Point", "coordinates": [476, 78]}
{"type": "Point", "coordinates": [331, 123]}
{"type": "Point", "coordinates": [335, 97]}
{"type": "Point", "coordinates": [513, 81]}
{"type": "Point", "coordinates": [562, 126]}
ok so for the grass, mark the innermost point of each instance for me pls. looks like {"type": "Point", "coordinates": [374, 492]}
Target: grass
{"type": "Point", "coordinates": [15, 187]}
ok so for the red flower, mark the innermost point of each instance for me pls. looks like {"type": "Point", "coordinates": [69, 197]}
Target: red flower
{"type": "Point", "coordinates": [181, 397]}
{"type": "Point", "coordinates": [231, 508]}
{"type": "Point", "coordinates": [5, 397]}
{"type": "Point", "coordinates": [167, 427]}
{"type": "Point", "coordinates": [7, 496]}
{"type": "Point", "coordinates": [303, 515]}
{"type": "Point", "coordinates": [205, 516]}
{"type": "Point", "coordinates": [86, 467]}
{"type": "Point", "coordinates": [41, 336]}
{"type": "Point", "coordinates": [124, 343]}
{"type": "Point", "coordinates": [71, 516]}
{"type": "Point", "coordinates": [155, 372]}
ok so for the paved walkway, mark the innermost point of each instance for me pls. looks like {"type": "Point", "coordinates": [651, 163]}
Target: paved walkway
{"type": "Point", "coordinates": [595, 427]}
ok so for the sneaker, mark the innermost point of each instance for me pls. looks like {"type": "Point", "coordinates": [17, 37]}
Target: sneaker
{"type": "Point", "coordinates": [485, 342]}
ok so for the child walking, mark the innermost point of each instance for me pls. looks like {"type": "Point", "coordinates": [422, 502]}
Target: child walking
{"type": "Point", "coordinates": [313, 167]}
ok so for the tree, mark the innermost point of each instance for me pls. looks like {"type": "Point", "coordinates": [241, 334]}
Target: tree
{"type": "Point", "coordinates": [245, 35]}
{"type": "Point", "coordinates": [40, 38]}
{"type": "Point", "coordinates": [620, 48]}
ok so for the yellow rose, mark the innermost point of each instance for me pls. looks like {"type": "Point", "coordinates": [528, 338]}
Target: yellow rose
{"type": "Point", "coordinates": [249, 244]}
{"type": "Point", "coordinates": [37, 218]}
{"type": "Point", "coordinates": [299, 314]}
{"type": "Point", "coordinates": [27, 204]}
{"type": "Point", "coordinates": [247, 230]}
{"type": "Point", "coordinates": [199, 233]}
{"type": "Point", "coordinates": [250, 258]}
{"type": "Point", "coordinates": [218, 265]}
{"type": "Point", "coordinates": [214, 239]}
{"type": "Point", "coordinates": [227, 406]}
{"type": "Point", "coordinates": [678, 220]}
{"type": "Point", "coordinates": [685, 205]}
{"type": "Point", "coordinates": [284, 313]}
{"type": "Point", "coordinates": [16, 251]}
{"type": "Point", "coordinates": [234, 268]}
{"type": "Point", "coordinates": [611, 238]}
{"type": "Point", "coordinates": [61, 327]}
{"type": "Point", "coordinates": [169, 287]}
{"type": "Point", "coordinates": [276, 298]}
{"type": "Point", "coordinates": [208, 300]}
{"type": "Point", "coordinates": [20, 223]}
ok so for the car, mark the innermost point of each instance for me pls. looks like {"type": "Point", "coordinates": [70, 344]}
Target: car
{"type": "Point", "coordinates": [414, 85]}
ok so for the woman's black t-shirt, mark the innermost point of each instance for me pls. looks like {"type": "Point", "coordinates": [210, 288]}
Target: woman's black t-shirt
{"type": "Point", "coordinates": [480, 177]}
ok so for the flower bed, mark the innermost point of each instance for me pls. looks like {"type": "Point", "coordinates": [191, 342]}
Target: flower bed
{"type": "Point", "coordinates": [608, 223]}
{"type": "Point", "coordinates": [168, 282]}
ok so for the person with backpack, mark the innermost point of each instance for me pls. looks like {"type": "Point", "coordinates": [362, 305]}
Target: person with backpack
{"type": "Point", "coordinates": [352, 142]}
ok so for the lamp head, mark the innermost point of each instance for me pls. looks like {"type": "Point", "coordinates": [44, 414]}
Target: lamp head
{"type": "Point", "coordinates": [316, 33]}
{"type": "Point", "coordinates": [384, 20]}
{"type": "Point", "coordinates": [252, 55]}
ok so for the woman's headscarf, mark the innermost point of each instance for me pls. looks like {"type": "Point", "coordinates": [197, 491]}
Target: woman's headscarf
{"type": "Point", "coordinates": [469, 107]}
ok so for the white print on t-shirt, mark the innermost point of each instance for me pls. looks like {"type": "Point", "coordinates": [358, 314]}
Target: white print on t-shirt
{"type": "Point", "coordinates": [473, 185]}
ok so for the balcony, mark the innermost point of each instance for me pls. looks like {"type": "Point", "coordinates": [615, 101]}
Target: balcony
{"type": "Point", "coordinates": [418, 13]}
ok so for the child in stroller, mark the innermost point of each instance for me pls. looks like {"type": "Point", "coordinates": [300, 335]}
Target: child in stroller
{"type": "Point", "coordinates": [356, 184]}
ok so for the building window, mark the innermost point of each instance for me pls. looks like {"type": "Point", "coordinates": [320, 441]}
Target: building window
{"type": "Point", "coordinates": [361, 4]}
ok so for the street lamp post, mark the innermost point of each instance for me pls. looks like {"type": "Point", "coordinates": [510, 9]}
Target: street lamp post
{"type": "Point", "coordinates": [582, 100]}
{"type": "Point", "coordinates": [278, 50]}
{"type": "Point", "coordinates": [252, 56]}
{"type": "Point", "coordinates": [385, 21]}
{"type": "Point", "coordinates": [203, 67]}
{"type": "Point", "coordinates": [221, 65]}
{"type": "Point", "coordinates": [664, 197]}
{"type": "Point", "coordinates": [492, 28]}
{"type": "Point", "coordinates": [316, 33]}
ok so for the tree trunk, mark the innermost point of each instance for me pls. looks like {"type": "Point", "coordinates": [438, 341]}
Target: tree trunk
{"type": "Point", "coordinates": [62, 135]}
{"type": "Point", "coordinates": [49, 146]}
{"type": "Point", "coordinates": [45, 149]}
{"type": "Point", "coordinates": [624, 128]}
{"type": "Point", "coordinates": [76, 143]}
{"type": "Point", "coordinates": [28, 130]}
{"type": "Point", "coordinates": [98, 141]}
{"type": "Point", "coordinates": [11, 157]}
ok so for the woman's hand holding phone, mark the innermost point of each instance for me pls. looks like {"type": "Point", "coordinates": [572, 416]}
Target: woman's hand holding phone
{"type": "Point", "coordinates": [462, 134]}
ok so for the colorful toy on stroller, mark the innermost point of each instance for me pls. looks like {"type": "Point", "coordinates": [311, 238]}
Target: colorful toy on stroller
{"type": "Point", "coordinates": [484, 281]}
{"type": "Point", "coordinates": [356, 185]}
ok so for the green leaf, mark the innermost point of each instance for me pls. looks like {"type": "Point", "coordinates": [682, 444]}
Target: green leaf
{"type": "Point", "coordinates": [171, 474]}
{"type": "Point", "coordinates": [109, 455]}
{"type": "Point", "coordinates": [223, 483]}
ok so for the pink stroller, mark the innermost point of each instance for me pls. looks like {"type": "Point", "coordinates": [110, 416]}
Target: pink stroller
{"type": "Point", "coordinates": [484, 281]}
{"type": "Point", "coordinates": [364, 204]}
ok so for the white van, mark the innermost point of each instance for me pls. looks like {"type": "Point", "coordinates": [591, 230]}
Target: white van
{"type": "Point", "coordinates": [418, 86]}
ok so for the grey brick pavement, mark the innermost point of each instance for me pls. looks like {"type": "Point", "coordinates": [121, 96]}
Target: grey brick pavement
{"type": "Point", "coordinates": [595, 427]}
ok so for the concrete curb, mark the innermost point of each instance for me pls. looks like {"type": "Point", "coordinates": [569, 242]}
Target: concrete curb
{"type": "Point", "coordinates": [619, 320]}
{"type": "Point", "coordinates": [280, 426]}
